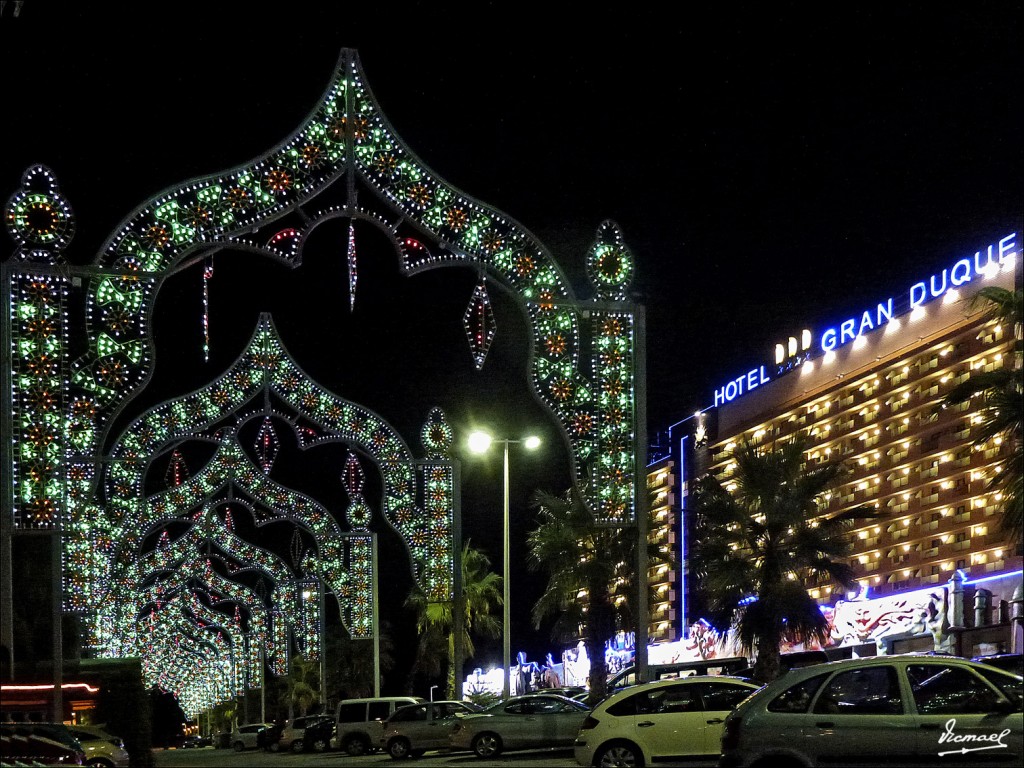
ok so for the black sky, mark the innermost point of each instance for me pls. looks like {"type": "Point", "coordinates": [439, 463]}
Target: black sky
{"type": "Point", "coordinates": [769, 168]}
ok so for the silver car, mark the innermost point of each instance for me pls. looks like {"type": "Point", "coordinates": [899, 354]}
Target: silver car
{"type": "Point", "coordinates": [906, 710]}
{"type": "Point", "coordinates": [532, 721]}
{"type": "Point", "coordinates": [417, 728]}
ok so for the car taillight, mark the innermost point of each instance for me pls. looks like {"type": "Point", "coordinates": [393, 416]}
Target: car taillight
{"type": "Point", "coordinates": [590, 722]}
{"type": "Point", "coordinates": [731, 733]}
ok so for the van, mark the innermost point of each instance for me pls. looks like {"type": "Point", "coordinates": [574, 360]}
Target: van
{"type": "Point", "coordinates": [359, 723]}
{"type": "Point", "coordinates": [725, 666]}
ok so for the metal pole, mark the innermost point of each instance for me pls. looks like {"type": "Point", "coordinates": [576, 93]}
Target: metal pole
{"type": "Point", "coordinates": [323, 647]}
{"type": "Point", "coordinates": [506, 655]}
{"type": "Point", "coordinates": [56, 613]}
{"type": "Point", "coordinates": [376, 621]}
{"type": "Point", "coordinates": [263, 681]}
{"type": "Point", "coordinates": [640, 498]}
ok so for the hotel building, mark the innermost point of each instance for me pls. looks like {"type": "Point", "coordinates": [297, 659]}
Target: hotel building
{"type": "Point", "coordinates": [868, 393]}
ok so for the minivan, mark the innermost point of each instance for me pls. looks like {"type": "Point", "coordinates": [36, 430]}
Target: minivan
{"type": "Point", "coordinates": [724, 666]}
{"type": "Point", "coordinates": [359, 723]}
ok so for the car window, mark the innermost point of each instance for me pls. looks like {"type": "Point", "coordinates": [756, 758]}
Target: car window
{"type": "Point", "coordinates": [406, 714]}
{"type": "Point", "coordinates": [675, 698]}
{"type": "Point", "coordinates": [378, 710]}
{"type": "Point", "coordinates": [1009, 684]}
{"type": "Point", "coordinates": [941, 689]}
{"type": "Point", "coordinates": [797, 698]}
{"type": "Point", "coordinates": [518, 708]}
{"type": "Point", "coordinates": [719, 698]}
{"type": "Point", "coordinates": [867, 691]}
{"type": "Point", "coordinates": [352, 713]}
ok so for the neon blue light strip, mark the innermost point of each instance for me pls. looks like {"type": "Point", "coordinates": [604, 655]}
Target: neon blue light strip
{"type": "Point", "coordinates": [684, 489]}
{"type": "Point", "coordinates": [1006, 575]}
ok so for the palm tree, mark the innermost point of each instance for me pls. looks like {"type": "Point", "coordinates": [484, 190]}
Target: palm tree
{"type": "Point", "coordinates": [1001, 393]}
{"type": "Point", "coordinates": [759, 540]}
{"type": "Point", "coordinates": [302, 685]}
{"type": "Point", "coordinates": [481, 592]}
{"type": "Point", "coordinates": [350, 674]}
{"type": "Point", "coordinates": [590, 576]}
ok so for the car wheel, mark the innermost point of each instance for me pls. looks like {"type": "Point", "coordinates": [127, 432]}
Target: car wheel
{"type": "Point", "coordinates": [399, 748]}
{"type": "Point", "coordinates": [619, 754]}
{"type": "Point", "coordinates": [356, 745]}
{"type": "Point", "coordinates": [99, 762]}
{"type": "Point", "coordinates": [320, 744]}
{"type": "Point", "coordinates": [487, 745]}
{"type": "Point", "coordinates": [298, 746]}
{"type": "Point", "coordinates": [239, 746]}
{"type": "Point", "coordinates": [275, 747]}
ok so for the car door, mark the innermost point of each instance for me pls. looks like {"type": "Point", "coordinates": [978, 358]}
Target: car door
{"type": "Point", "coordinates": [435, 729]}
{"type": "Point", "coordinates": [416, 726]}
{"type": "Point", "coordinates": [670, 721]}
{"type": "Point", "coordinates": [960, 712]}
{"type": "Point", "coordinates": [719, 699]}
{"type": "Point", "coordinates": [546, 722]}
{"type": "Point", "coordinates": [859, 717]}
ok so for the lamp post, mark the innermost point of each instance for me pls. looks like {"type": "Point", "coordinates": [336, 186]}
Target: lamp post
{"type": "Point", "coordinates": [480, 442]}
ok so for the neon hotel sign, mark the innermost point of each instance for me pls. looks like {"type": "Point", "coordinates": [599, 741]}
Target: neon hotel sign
{"type": "Point", "coordinates": [983, 263]}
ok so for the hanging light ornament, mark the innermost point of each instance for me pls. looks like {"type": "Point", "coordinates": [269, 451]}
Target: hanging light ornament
{"type": "Point", "coordinates": [353, 478]}
{"type": "Point", "coordinates": [298, 548]}
{"type": "Point", "coordinates": [352, 274]}
{"type": "Point", "coordinates": [478, 321]}
{"type": "Point", "coordinates": [267, 445]}
{"type": "Point", "coordinates": [229, 521]}
{"type": "Point", "coordinates": [177, 471]}
{"type": "Point", "coordinates": [207, 274]}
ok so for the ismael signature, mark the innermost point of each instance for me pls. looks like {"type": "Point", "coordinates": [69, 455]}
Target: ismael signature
{"type": "Point", "coordinates": [983, 740]}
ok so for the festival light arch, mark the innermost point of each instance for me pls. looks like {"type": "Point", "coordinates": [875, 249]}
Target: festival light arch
{"type": "Point", "coordinates": [82, 344]}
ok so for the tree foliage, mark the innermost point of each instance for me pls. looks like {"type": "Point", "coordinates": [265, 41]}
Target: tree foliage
{"type": "Point", "coordinates": [760, 538]}
{"type": "Point", "coordinates": [1000, 393]}
{"type": "Point", "coordinates": [435, 649]}
{"type": "Point", "coordinates": [591, 576]}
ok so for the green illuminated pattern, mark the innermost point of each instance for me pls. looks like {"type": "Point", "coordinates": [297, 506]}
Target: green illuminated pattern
{"type": "Point", "coordinates": [70, 379]}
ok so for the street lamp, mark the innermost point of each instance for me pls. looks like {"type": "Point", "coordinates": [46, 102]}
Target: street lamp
{"type": "Point", "coordinates": [480, 442]}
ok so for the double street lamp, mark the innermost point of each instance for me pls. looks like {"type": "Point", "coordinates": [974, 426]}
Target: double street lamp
{"type": "Point", "coordinates": [480, 442]}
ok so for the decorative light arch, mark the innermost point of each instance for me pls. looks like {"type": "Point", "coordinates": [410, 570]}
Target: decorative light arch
{"type": "Point", "coordinates": [63, 390]}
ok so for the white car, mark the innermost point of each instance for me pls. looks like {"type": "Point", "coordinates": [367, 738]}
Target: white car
{"type": "Point", "coordinates": [679, 719]}
{"type": "Point", "coordinates": [905, 710]}
{"type": "Point", "coordinates": [533, 721]}
{"type": "Point", "coordinates": [247, 736]}
{"type": "Point", "coordinates": [102, 749]}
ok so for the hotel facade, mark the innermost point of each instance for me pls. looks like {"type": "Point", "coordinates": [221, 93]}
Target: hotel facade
{"type": "Point", "coordinates": [934, 569]}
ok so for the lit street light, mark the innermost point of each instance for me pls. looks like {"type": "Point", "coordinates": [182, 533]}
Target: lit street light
{"type": "Point", "coordinates": [480, 442]}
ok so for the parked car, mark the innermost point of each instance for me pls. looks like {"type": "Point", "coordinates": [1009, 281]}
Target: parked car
{"type": "Point", "coordinates": [677, 669]}
{"type": "Point", "coordinates": [359, 723]}
{"type": "Point", "coordinates": [196, 742]}
{"type": "Point", "coordinates": [662, 720]}
{"type": "Point", "coordinates": [317, 737]}
{"type": "Point", "coordinates": [102, 749]}
{"type": "Point", "coordinates": [293, 734]}
{"type": "Point", "coordinates": [1011, 662]}
{"type": "Point", "coordinates": [894, 710]}
{"type": "Point", "coordinates": [39, 744]}
{"type": "Point", "coordinates": [248, 736]}
{"type": "Point", "coordinates": [416, 728]}
{"type": "Point", "coordinates": [531, 721]}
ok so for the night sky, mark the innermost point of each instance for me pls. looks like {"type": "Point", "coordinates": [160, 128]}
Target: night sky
{"type": "Point", "coordinates": [770, 170]}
